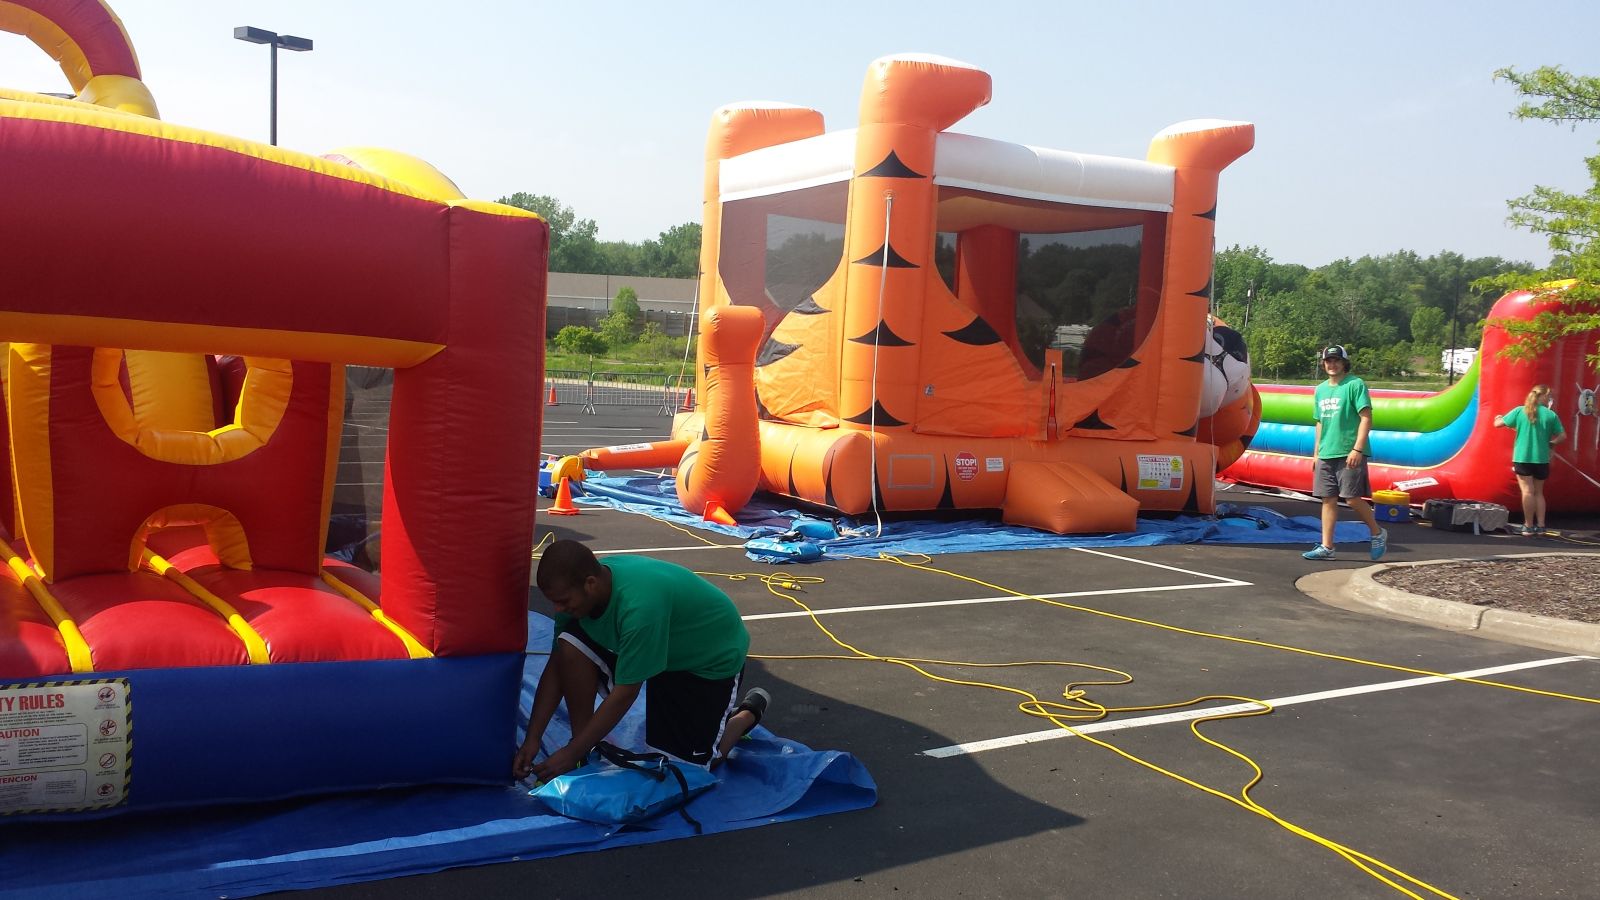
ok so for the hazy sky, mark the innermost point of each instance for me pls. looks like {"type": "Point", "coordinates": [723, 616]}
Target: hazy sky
{"type": "Point", "coordinates": [1378, 127]}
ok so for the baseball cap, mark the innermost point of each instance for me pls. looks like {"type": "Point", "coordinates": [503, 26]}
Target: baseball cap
{"type": "Point", "coordinates": [1336, 352]}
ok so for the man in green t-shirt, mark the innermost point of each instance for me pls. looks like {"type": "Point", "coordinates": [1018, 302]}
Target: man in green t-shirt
{"type": "Point", "coordinates": [630, 622]}
{"type": "Point", "coordinates": [1343, 444]}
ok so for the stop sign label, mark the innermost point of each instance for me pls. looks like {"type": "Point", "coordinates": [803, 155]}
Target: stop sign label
{"type": "Point", "coordinates": [966, 466]}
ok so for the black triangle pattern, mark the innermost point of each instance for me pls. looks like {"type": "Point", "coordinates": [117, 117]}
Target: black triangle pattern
{"type": "Point", "coordinates": [792, 491]}
{"type": "Point", "coordinates": [978, 333]}
{"type": "Point", "coordinates": [1191, 430]}
{"type": "Point", "coordinates": [1122, 476]}
{"type": "Point", "coordinates": [947, 499]}
{"type": "Point", "coordinates": [1204, 292]}
{"type": "Point", "coordinates": [896, 261]}
{"type": "Point", "coordinates": [882, 336]}
{"type": "Point", "coordinates": [1128, 363]}
{"type": "Point", "coordinates": [773, 351]}
{"type": "Point", "coordinates": [891, 167]}
{"type": "Point", "coordinates": [808, 307]}
{"type": "Point", "coordinates": [1093, 422]}
{"type": "Point", "coordinates": [884, 419]}
{"type": "Point", "coordinates": [1193, 503]}
{"type": "Point", "coordinates": [1210, 213]}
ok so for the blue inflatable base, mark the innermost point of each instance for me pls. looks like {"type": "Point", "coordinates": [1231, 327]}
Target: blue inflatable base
{"type": "Point", "coordinates": [243, 851]}
{"type": "Point", "coordinates": [230, 734]}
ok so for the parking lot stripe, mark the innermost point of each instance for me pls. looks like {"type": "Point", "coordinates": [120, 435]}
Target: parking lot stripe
{"type": "Point", "coordinates": [1155, 565]}
{"type": "Point", "coordinates": [971, 747]}
{"type": "Point", "coordinates": [1005, 599]}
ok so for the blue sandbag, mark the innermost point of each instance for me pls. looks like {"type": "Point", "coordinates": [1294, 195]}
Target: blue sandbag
{"type": "Point", "coordinates": [776, 551]}
{"type": "Point", "coordinates": [608, 794]}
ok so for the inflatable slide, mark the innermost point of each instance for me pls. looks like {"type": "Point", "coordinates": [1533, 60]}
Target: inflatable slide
{"type": "Point", "coordinates": [897, 317]}
{"type": "Point", "coordinates": [1442, 445]}
{"type": "Point", "coordinates": [179, 307]}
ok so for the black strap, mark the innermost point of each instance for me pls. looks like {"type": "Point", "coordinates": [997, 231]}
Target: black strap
{"type": "Point", "coordinates": [656, 765]}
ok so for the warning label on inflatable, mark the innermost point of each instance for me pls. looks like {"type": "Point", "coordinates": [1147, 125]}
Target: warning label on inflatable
{"type": "Point", "coordinates": [1160, 473]}
{"type": "Point", "coordinates": [64, 746]}
{"type": "Point", "coordinates": [966, 466]}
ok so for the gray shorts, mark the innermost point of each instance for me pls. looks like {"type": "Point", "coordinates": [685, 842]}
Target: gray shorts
{"type": "Point", "coordinates": [1335, 479]}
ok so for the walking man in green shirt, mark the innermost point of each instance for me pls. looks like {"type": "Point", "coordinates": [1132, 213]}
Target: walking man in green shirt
{"type": "Point", "coordinates": [630, 622]}
{"type": "Point", "coordinates": [1343, 446]}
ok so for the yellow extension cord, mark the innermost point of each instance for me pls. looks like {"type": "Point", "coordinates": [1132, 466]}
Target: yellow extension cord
{"type": "Point", "coordinates": [1082, 709]}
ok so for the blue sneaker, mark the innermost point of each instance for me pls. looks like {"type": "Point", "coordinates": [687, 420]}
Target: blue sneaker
{"type": "Point", "coordinates": [1318, 552]}
{"type": "Point", "coordinates": [1380, 544]}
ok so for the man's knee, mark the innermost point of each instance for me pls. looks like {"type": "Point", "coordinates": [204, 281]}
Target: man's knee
{"type": "Point", "coordinates": [571, 661]}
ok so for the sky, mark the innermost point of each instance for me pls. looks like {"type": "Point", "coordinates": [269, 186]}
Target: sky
{"type": "Point", "coordinates": [1379, 127]}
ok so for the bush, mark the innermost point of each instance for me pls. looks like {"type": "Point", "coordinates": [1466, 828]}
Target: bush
{"type": "Point", "coordinates": [577, 339]}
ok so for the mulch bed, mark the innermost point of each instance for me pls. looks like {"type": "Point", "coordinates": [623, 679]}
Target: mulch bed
{"type": "Point", "coordinates": [1561, 587]}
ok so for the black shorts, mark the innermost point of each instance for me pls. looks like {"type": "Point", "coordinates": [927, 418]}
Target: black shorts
{"type": "Point", "coordinates": [1537, 471]}
{"type": "Point", "coordinates": [684, 714]}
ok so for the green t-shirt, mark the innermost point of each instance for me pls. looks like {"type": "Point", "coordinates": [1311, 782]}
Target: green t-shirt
{"type": "Point", "coordinates": [664, 618]}
{"type": "Point", "coordinates": [1533, 438]}
{"type": "Point", "coordinates": [1338, 407]}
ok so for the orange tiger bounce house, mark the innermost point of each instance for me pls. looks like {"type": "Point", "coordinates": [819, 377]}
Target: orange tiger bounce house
{"type": "Point", "coordinates": [170, 633]}
{"type": "Point", "coordinates": [898, 317]}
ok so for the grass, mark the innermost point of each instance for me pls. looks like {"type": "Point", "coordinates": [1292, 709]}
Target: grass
{"type": "Point", "coordinates": [1403, 383]}
{"type": "Point", "coordinates": [634, 360]}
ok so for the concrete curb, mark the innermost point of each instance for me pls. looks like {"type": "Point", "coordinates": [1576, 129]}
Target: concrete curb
{"type": "Point", "coordinates": [1357, 590]}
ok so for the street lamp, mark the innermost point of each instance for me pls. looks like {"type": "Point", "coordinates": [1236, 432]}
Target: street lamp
{"type": "Point", "coordinates": [274, 40]}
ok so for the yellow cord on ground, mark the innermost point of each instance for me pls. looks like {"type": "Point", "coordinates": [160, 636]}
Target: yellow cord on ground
{"type": "Point", "coordinates": [1080, 708]}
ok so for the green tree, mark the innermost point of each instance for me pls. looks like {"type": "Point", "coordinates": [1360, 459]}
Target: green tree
{"type": "Point", "coordinates": [675, 254]}
{"type": "Point", "coordinates": [627, 303]}
{"type": "Point", "coordinates": [573, 247]}
{"type": "Point", "coordinates": [1569, 222]}
{"type": "Point", "coordinates": [578, 339]}
{"type": "Point", "coordinates": [621, 325]}
{"type": "Point", "coordinates": [1427, 326]}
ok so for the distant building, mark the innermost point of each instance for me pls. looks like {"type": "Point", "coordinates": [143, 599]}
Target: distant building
{"type": "Point", "coordinates": [576, 299]}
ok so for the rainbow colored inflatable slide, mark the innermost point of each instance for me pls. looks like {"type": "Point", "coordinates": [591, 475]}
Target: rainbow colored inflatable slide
{"type": "Point", "coordinates": [170, 633]}
{"type": "Point", "coordinates": [897, 317]}
{"type": "Point", "coordinates": [1443, 445]}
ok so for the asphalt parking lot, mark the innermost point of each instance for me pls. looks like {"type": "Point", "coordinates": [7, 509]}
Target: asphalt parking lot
{"type": "Point", "coordinates": [1476, 790]}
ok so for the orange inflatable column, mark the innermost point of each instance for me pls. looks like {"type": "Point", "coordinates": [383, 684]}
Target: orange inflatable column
{"type": "Point", "coordinates": [905, 102]}
{"type": "Point", "coordinates": [1199, 150]}
{"type": "Point", "coordinates": [735, 130]}
{"type": "Point", "coordinates": [723, 466]}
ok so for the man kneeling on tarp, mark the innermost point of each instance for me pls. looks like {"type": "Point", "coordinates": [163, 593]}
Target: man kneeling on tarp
{"type": "Point", "coordinates": [629, 622]}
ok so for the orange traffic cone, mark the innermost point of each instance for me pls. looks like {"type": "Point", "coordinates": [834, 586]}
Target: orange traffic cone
{"type": "Point", "coordinates": [552, 401]}
{"type": "Point", "coordinates": [563, 505]}
{"type": "Point", "coordinates": [688, 401]}
{"type": "Point", "coordinates": [715, 513]}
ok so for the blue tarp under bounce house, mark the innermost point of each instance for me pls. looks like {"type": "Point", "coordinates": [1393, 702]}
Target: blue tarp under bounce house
{"type": "Point", "coordinates": [295, 845]}
{"type": "Point", "coordinates": [761, 522]}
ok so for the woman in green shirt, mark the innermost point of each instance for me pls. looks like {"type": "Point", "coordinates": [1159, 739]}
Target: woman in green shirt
{"type": "Point", "coordinates": [1538, 427]}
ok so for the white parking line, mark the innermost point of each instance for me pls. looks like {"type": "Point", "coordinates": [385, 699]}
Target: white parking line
{"type": "Point", "coordinates": [1190, 714]}
{"type": "Point", "coordinates": [1155, 565]}
{"type": "Point", "coordinates": [1006, 599]}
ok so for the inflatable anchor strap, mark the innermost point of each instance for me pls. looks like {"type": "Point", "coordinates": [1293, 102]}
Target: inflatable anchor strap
{"type": "Point", "coordinates": [656, 766]}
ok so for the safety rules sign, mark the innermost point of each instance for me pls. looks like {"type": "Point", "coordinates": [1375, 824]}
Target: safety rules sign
{"type": "Point", "coordinates": [64, 746]}
{"type": "Point", "coordinates": [1160, 473]}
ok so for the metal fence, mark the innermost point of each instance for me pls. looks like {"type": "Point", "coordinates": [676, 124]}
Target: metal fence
{"type": "Point", "coordinates": [667, 394]}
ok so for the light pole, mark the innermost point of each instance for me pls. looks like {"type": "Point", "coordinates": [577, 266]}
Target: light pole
{"type": "Point", "coordinates": [274, 40]}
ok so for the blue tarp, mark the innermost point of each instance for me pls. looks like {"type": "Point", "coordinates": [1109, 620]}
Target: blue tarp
{"type": "Point", "coordinates": [247, 850]}
{"type": "Point", "coordinates": [1233, 524]}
